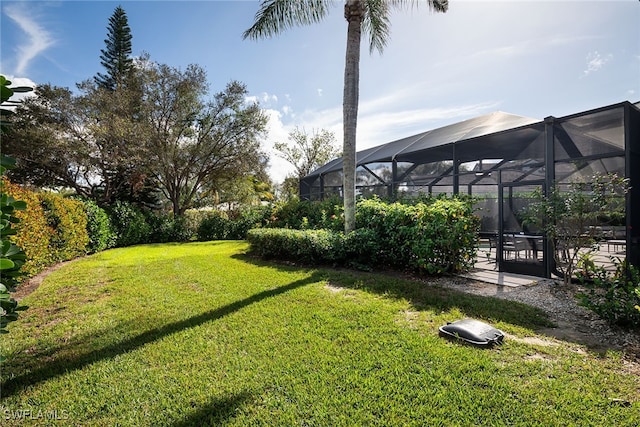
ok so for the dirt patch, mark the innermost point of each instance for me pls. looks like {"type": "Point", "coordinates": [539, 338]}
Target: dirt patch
{"type": "Point", "coordinates": [334, 289]}
{"type": "Point", "coordinates": [533, 341]}
{"type": "Point", "coordinates": [34, 282]}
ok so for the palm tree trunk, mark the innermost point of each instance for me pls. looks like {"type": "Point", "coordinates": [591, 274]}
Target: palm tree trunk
{"type": "Point", "coordinates": [354, 13]}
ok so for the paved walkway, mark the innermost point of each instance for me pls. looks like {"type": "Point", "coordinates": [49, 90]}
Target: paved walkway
{"type": "Point", "coordinates": [485, 265]}
{"type": "Point", "coordinates": [484, 271]}
{"type": "Point", "coordinates": [501, 278]}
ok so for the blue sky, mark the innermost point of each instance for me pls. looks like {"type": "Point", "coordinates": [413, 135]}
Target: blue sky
{"type": "Point", "coordinates": [533, 59]}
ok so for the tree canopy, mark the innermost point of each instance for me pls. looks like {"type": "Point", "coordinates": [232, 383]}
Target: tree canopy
{"type": "Point", "coordinates": [194, 143]}
{"type": "Point", "coordinates": [308, 152]}
{"type": "Point", "coordinates": [166, 132]}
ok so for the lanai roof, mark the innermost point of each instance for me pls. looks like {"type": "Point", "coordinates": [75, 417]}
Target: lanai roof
{"type": "Point", "coordinates": [407, 148]}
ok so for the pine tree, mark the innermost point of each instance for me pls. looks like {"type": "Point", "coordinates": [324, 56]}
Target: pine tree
{"type": "Point", "coordinates": [116, 57]}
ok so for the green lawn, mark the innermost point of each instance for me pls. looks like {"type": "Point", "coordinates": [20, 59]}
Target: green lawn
{"type": "Point", "coordinates": [200, 334]}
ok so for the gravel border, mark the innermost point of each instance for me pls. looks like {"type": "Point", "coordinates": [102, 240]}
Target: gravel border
{"type": "Point", "coordinates": [574, 322]}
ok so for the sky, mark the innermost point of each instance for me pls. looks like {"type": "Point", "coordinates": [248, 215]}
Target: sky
{"type": "Point", "coordinates": [531, 58]}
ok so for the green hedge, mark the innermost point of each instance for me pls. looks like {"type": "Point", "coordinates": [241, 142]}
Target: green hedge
{"type": "Point", "coordinates": [302, 214]}
{"type": "Point", "coordinates": [69, 220]}
{"type": "Point", "coordinates": [166, 228]}
{"type": "Point", "coordinates": [34, 234]}
{"type": "Point", "coordinates": [218, 225]}
{"type": "Point", "coordinates": [434, 238]}
{"type": "Point", "coordinates": [306, 246]}
{"type": "Point", "coordinates": [129, 224]}
{"type": "Point", "coordinates": [101, 233]}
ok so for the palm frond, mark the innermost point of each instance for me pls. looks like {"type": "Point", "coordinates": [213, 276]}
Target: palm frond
{"type": "Point", "coordinates": [433, 5]}
{"type": "Point", "coordinates": [376, 24]}
{"type": "Point", "coordinates": [276, 16]}
{"type": "Point", "coordinates": [376, 21]}
{"type": "Point", "coordinates": [439, 5]}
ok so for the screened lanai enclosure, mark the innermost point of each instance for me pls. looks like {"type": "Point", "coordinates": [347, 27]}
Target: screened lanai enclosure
{"type": "Point", "coordinates": [504, 161]}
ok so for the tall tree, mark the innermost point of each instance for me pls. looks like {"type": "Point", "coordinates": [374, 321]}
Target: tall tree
{"type": "Point", "coordinates": [45, 139]}
{"type": "Point", "coordinates": [372, 16]}
{"type": "Point", "coordinates": [116, 57]}
{"type": "Point", "coordinates": [195, 144]}
{"type": "Point", "coordinates": [120, 96]}
{"type": "Point", "coordinates": [86, 142]}
{"type": "Point", "coordinates": [308, 152]}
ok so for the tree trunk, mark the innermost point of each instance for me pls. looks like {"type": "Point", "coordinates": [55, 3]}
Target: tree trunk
{"type": "Point", "coordinates": [353, 13]}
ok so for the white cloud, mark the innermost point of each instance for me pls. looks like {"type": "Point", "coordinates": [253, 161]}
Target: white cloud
{"type": "Point", "coordinates": [595, 61]}
{"type": "Point", "coordinates": [503, 50]}
{"type": "Point", "coordinates": [278, 132]}
{"type": "Point", "coordinates": [268, 98]}
{"type": "Point", "coordinates": [39, 39]}
{"type": "Point", "coordinates": [281, 123]}
{"type": "Point", "coordinates": [319, 92]}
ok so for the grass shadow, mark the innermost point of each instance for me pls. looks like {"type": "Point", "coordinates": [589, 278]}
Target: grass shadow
{"type": "Point", "coordinates": [59, 367]}
{"type": "Point", "coordinates": [280, 265]}
{"type": "Point", "coordinates": [421, 295]}
{"type": "Point", "coordinates": [217, 412]}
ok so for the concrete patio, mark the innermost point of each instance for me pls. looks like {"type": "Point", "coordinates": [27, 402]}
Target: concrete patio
{"type": "Point", "coordinates": [485, 267]}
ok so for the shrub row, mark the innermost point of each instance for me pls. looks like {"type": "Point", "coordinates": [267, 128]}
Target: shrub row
{"type": "Point", "coordinates": [302, 215]}
{"type": "Point", "coordinates": [53, 228]}
{"type": "Point", "coordinates": [34, 234]}
{"type": "Point", "coordinates": [217, 225]}
{"type": "Point", "coordinates": [68, 219]}
{"type": "Point", "coordinates": [434, 238]}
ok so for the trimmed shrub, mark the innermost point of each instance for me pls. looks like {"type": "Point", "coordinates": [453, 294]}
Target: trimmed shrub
{"type": "Point", "coordinates": [219, 225]}
{"type": "Point", "coordinates": [394, 226]}
{"type": "Point", "coordinates": [193, 218]}
{"type": "Point", "coordinates": [445, 238]}
{"type": "Point", "coordinates": [101, 233]}
{"type": "Point", "coordinates": [165, 228]}
{"type": "Point", "coordinates": [215, 226]}
{"type": "Point", "coordinates": [360, 249]}
{"type": "Point", "coordinates": [306, 246]}
{"type": "Point", "coordinates": [69, 220]}
{"type": "Point", "coordinates": [302, 214]}
{"type": "Point", "coordinates": [129, 223]}
{"type": "Point", "coordinates": [246, 219]}
{"type": "Point", "coordinates": [33, 234]}
{"type": "Point", "coordinates": [435, 238]}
